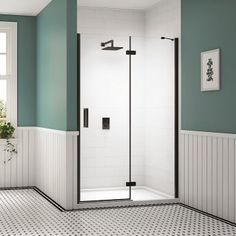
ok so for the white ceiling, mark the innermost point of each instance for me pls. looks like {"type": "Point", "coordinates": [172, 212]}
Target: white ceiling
{"type": "Point", "coordinates": [33, 7]}
{"type": "Point", "coordinates": [119, 4]}
{"type": "Point", "coordinates": [22, 7]}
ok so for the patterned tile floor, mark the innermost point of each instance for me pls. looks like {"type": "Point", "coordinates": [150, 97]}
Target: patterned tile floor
{"type": "Point", "coordinates": [25, 212]}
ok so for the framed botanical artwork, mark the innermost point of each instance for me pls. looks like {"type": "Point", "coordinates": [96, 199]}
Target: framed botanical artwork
{"type": "Point", "coordinates": [210, 70]}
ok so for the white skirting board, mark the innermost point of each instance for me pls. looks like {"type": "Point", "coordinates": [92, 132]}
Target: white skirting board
{"type": "Point", "coordinates": [45, 159]}
{"type": "Point", "coordinates": [208, 172]}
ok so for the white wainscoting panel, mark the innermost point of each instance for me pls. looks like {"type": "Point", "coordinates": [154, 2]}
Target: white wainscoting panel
{"type": "Point", "coordinates": [208, 172]}
{"type": "Point", "coordinates": [19, 172]}
{"type": "Point", "coordinates": [54, 172]}
{"type": "Point", "coordinates": [46, 159]}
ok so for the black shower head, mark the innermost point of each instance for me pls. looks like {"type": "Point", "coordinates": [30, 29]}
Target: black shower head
{"type": "Point", "coordinates": [167, 38]}
{"type": "Point", "coordinates": [110, 48]}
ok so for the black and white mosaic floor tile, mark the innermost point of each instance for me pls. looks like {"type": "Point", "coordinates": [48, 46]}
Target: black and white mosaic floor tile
{"type": "Point", "coordinates": [25, 212]}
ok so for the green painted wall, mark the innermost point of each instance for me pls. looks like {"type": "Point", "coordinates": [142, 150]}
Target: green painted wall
{"type": "Point", "coordinates": [56, 65]}
{"type": "Point", "coordinates": [26, 34]}
{"type": "Point", "coordinates": [72, 66]}
{"type": "Point", "coordinates": [208, 24]}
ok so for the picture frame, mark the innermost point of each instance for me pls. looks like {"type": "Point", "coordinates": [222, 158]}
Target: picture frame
{"type": "Point", "coordinates": [210, 70]}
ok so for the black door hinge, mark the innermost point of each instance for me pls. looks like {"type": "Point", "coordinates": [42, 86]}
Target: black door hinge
{"type": "Point", "coordinates": [130, 184]}
{"type": "Point", "coordinates": [130, 52]}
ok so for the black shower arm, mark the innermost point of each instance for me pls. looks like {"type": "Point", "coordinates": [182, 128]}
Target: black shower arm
{"type": "Point", "coordinates": [110, 41]}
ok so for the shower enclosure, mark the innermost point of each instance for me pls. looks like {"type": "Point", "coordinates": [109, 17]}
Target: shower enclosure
{"type": "Point", "coordinates": [122, 124]}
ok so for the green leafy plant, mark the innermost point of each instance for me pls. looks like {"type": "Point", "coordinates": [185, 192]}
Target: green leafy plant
{"type": "Point", "coordinates": [6, 132]}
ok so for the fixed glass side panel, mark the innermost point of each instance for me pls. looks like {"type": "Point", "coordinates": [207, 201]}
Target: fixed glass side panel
{"type": "Point", "coordinates": [104, 154]}
{"type": "Point", "coordinates": [153, 119]}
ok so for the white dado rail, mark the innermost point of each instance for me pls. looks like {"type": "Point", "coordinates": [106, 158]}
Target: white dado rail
{"type": "Point", "coordinates": [208, 172]}
{"type": "Point", "coordinates": [45, 159]}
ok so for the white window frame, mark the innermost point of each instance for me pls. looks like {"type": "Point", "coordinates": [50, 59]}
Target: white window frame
{"type": "Point", "coordinates": [10, 28]}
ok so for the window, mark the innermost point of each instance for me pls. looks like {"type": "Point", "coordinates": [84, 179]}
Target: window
{"type": "Point", "coordinates": [3, 71]}
{"type": "Point", "coordinates": [3, 53]}
{"type": "Point", "coordinates": [8, 74]}
{"type": "Point", "coordinates": [3, 100]}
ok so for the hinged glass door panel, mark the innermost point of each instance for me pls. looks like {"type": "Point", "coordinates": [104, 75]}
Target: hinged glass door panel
{"type": "Point", "coordinates": [104, 154]}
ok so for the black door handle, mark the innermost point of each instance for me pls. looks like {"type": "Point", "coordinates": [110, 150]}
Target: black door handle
{"type": "Point", "coordinates": [86, 117]}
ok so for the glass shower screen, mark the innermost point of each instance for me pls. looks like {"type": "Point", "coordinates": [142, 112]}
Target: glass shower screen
{"type": "Point", "coordinates": [104, 142]}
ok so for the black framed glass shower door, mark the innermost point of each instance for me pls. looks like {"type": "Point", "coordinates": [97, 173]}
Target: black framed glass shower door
{"type": "Point", "coordinates": [105, 118]}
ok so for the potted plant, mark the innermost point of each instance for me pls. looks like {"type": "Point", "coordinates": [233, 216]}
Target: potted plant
{"type": "Point", "coordinates": [6, 132]}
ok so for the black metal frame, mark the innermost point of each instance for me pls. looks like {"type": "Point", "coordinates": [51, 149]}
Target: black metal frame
{"type": "Point", "coordinates": [78, 114]}
{"type": "Point", "coordinates": [130, 117]}
{"type": "Point", "coordinates": [130, 53]}
{"type": "Point", "coordinates": [176, 56]}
